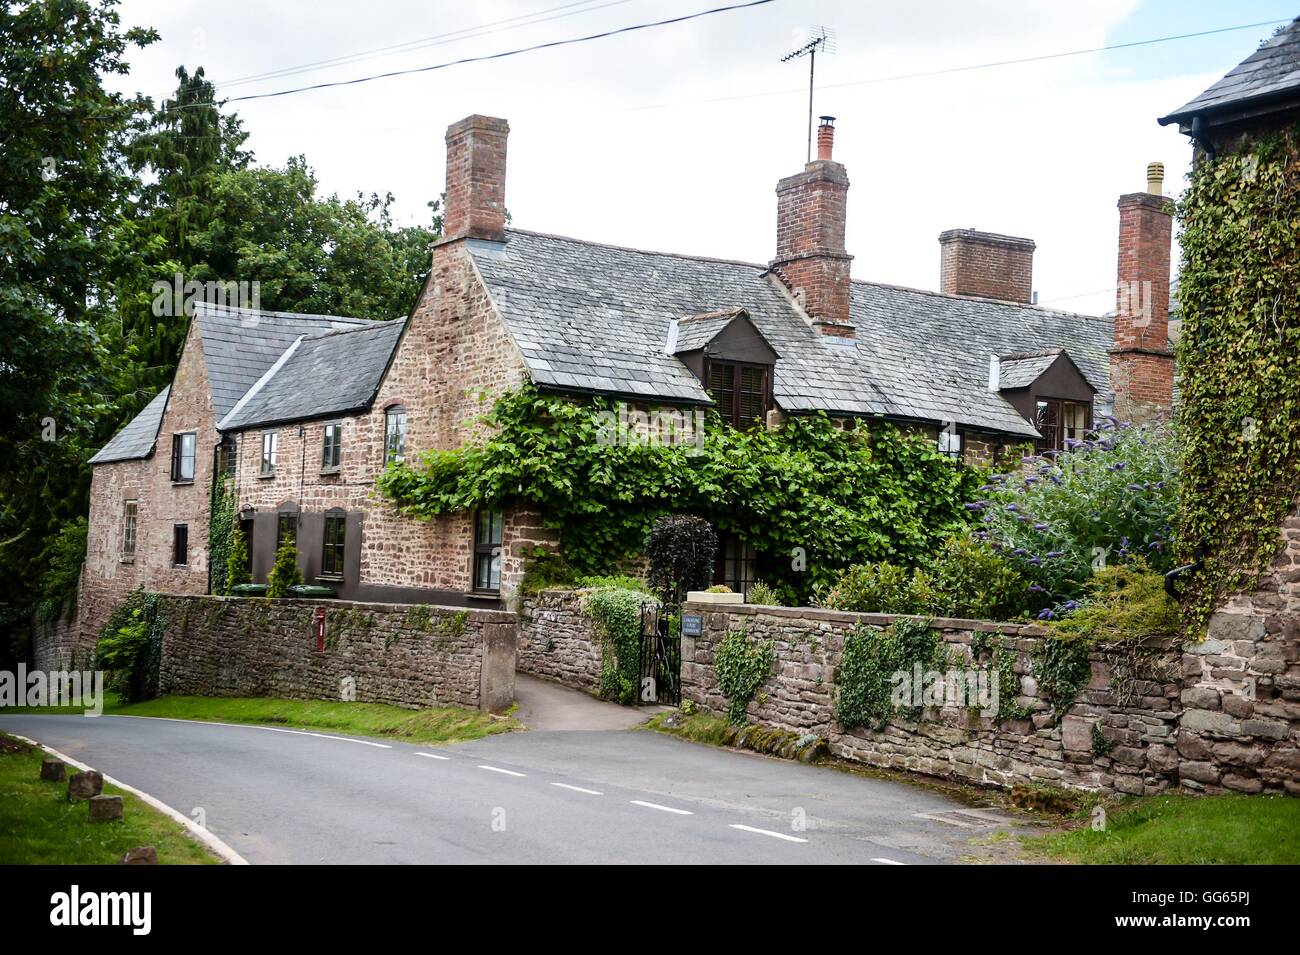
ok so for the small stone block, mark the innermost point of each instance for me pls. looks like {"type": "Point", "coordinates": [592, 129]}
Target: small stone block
{"type": "Point", "coordinates": [105, 808]}
{"type": "Point", "coordinates": [54, 770]}
{"type": "Point", "coordinates": [85, 785]}
{"type": "Point", "coordinates": [140, 855]}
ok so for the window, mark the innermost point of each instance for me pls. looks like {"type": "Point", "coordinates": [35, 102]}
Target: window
{"type": "Point", "coordinates": [331, 564]}
{"type": "Point", "coordinates": [1061, 421]}
{"type": "Point", "coordinates": [734, 565]}
{"type": "Point", "coordinates": [395, 434]}
{"type": "Point", "coordinates": [740, 391]}
{"type": "Point", "coordinates": [487, 550]}
{"type": "Point", "coordinates": [180, 544]}
{"type": "Point", "coordinates": [130, 514]}
{"type": "Point", "coordinates": [269, 441]}
{"type": "Point", "coordinates": [226, 457]}
{"type": "Point", "coordinates": [950, 443]}
{"type": "Point", "coordinates": [286, 528]}
{"type": "Point", "coordinates": [332, 448]}
{"type": "Point", "coordinates": [183, 457]}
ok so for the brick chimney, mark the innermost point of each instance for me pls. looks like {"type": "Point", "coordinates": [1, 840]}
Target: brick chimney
{"type": "Point", "coordinates": [476, 179]}
{"type": "Point", "coordinates": [810, 257]}
{"type": "Point", "coordinates": [1141, 361]}
{"type": "Point", "coordinates": [987, 265]}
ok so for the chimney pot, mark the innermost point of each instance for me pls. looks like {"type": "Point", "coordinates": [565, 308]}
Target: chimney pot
{"type": "Point", "coordinates": [825, 138]}
{"type": "Point", "coordinates": [1156, 178]}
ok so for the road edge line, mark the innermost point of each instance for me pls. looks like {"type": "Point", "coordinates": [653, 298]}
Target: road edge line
{"type": "Point", "coordinates": [209, 839]}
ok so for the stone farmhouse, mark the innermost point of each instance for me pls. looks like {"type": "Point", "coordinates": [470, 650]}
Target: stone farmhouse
{"type": "Point", "coordinates": [304, 411]}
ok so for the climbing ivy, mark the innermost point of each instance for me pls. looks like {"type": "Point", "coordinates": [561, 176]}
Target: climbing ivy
{"type": "Point", "coordinates": [809, 497]}
{"type": "Point", "coordinates": [221, 527]}
{"type": "Point", "coordinates": [869, 665]}
{"type": "Point", "coordinates": [617, 615]}
{"type": "Point", "coordinates": [1239, 376]}
{"type": "Point", "coordinates": [1062, 670]}
{"type": "Point", "coordinates": [130, 647]}
{"type": "Point", "coordinates": [742, 665]}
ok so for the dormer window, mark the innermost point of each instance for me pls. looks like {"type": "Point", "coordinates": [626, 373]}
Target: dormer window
{"type": "Point", "coordinates": [741, 391]}
{"type": "Point", "coordinates": [733, 361]}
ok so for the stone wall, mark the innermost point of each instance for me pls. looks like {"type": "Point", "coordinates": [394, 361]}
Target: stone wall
{"type": "Point", "coordinates": [555, 640]}
{"type": "Point", "coordinates": [57, 642]}
{"type": "Point", "coordinates": [411, 656]}
{"type": "Point", "coordinates": [1241, 725]}
{"type": "Point", "coordinates": [950, 742]}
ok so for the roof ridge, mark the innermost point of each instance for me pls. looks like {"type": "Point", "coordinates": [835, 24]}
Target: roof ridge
{"type": "Point", "coordinates": [214, 309]}
{"type": "Point", "coordinates": [629, 248]}
{"type": "Point", "coordinates": [975, 298]}
{"type": "Point", "coordinates": [371, 324]}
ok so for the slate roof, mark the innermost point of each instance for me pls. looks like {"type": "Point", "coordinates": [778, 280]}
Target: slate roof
{"type": "Point", "coordinates": [592, 317]}
{"type": "Point", "coordinates": [240, 344]}
{"type": "Point", "coordinates": [137, 438]}
{"type": "Point", "coordinates": [696, 331]}
{"type": "Point", "coordinates": [1272, 70]}
{"type": "Point", "coordinates": [335, 373]}
{"type": "Point", "coordinates": [1022, 371]}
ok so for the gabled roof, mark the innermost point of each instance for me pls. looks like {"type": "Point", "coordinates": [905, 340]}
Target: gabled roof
{"type": "Point", "coordinates": [591, 317]}
{"type": "Point", "coordinates": [696, 331]}
{"type": "Point", "coordinates": [1021, 371]}
{"type": "Point", "coordinates": [136, 440]}
{"type": "Point", "coordinates": [335, 373]}
{"type": "Point", "coordinates": [1270, 73]}
{"type": "Point", "coordinates": [240, 344]}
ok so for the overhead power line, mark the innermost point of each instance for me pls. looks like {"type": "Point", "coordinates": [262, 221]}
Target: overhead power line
{"type": "Point", "coordinates": [604, 34]}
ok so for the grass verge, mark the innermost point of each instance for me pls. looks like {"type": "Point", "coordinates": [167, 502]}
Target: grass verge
{"type": "Point", "coordinates": [40, 826]}
{"type": "Point", "coordinates": [438, 724]}
{"type": "Point", "coordinates": [1183, 830]}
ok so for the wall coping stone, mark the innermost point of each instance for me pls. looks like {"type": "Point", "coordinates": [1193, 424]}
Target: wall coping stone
{"type": "Point", "coordinates": [881, 619]}
{"type": "Point", "coordinates": [484, 616]}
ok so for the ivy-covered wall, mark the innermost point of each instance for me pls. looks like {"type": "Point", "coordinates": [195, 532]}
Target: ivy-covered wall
{"type": "Point", "coordinates": [1239, 365]}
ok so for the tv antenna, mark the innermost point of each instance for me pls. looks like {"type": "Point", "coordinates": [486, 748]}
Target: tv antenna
{"type": "Point", "coordinates": [808, 43]}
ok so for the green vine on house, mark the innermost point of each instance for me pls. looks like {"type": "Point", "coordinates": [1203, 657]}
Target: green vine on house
{"type": "Point", "coordinates": [830, 496]}
{"type": "Point", "coordinates": [221, 527]}
{"type": "Point", "coordinates": [1239, 378]}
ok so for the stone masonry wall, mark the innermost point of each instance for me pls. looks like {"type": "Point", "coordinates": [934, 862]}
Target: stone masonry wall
{"type": "Point", "coordinates": [413, 656]}
{"type": "Point", "coordinates": [1241, 725]}
{"type": "Point", "coordinates": [555, 640]}
{"type": "Point", "coordinates": [951, 742]}
{"type": "Point", "coordinates": [57, 643]}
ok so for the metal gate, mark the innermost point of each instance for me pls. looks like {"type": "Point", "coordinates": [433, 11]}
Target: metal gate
{"type": "Point", "coordinates": [661, 660]}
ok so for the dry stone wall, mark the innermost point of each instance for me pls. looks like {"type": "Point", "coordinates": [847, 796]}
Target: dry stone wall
{"type": "Point", "coordinates": [413, 656]}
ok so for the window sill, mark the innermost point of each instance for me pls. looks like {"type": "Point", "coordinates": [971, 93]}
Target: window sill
{"type": "Point", "coordinates": [182, 483]}
{"type": "Point", "coordinates": [330, 472]}
{"type": "Point", "coordinates": [330, 579]}
{"type": "Point", "coordinates": [483, 594]}
{"type": "Point", "coordinates": [126, 559]}
{"type": "Point", "coordinates": [266, 476]}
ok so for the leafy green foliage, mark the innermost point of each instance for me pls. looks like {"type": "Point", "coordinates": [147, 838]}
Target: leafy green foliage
{"type": "Point", "coordinates": [130, 647]}
{"type": "Point", "coordinates": [868, 663]}
{"type": "Point", "coordinates": [285, 573]}
{"type": "Point", "coordinates": [742, 665]}
{"type": "Point", "coordinates": [834, 497]}
{"type": "Point", "coordinates": [680, 549]}
{"type": "Point", "coordinates": [1062, 669]}
{"type": "Point", "coordinates": [221, 528]}
{"type": "Point", "coordinates": [1238, 380]}
{"type": "Point", "coordinates": [617, 615]}
{"type": "Point", "coordinates": [763, 595]}
{"type": "Point", "coordinates": [878, 587]}
{"type": "Point", "coordinates": [1122, 603]}
{"type": "Point", "coordinates": [58, 583]}
{"type": "Point", "coordinates": [548, 570]}
{"type": "Point", "coordinates": [236, 562]}
{"type": "Point", "coordinates": [1109, 499]}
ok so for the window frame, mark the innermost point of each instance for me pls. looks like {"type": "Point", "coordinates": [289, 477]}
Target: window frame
{"type": "Point", "coordinates": [269, 461]}
{"type": "Point", "coordinates": [291, 519]}
{"type": "Point", "coordinates": [395, 413]}
{"type": "Point", "coordinates": [333, 561]}
{"type": "Point", "coordinates": [732, 416]}
{"type": "Point", "coordinates": [130, 529]}
{"type": "Point", "coordinates": [491, 550]}
{"type": "Point", "coordinates": [179, 456]}
{"type": "Point", "coordinates": [227, 456]}
{"type": "Point", "coordinates": [180, 545]}
{"type": "Point", "coordinates": [1055, 441]}
{"type": "Point", "coordinates": [332, 447]}
{"type": "Point", "coordinates": [955, 444]}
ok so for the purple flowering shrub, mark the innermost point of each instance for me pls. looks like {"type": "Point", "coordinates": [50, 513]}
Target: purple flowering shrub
{"type": "Point", "coordinates": [1065, 515]}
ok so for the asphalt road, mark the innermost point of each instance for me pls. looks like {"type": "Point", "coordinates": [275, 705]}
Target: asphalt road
{"type": "Point", "coordinates": [621, 796]}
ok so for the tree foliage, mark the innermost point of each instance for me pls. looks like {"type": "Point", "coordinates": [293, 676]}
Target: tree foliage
{"type": "Point", "coordinates": [680, 549]}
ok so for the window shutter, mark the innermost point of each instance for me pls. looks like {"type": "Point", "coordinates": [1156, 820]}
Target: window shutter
{"type": "Point", "coordinates": [722, 389]}
{"type": "Point", "coordinates": [176, 456]}
{"type": "Point", "coordinates": [753, 395]}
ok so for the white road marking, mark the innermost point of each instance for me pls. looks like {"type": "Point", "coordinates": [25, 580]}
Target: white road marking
{"type": "Point", "coordinates": [497, 769]}
{"type": "Point", "coordinates": [946, 818]}
{"type": "Point", "coordinates": [432, 756]}
{"type": "Point", "coordinates": [254, 726]}
{"type": "Point", "coordinates": [767, 832]}
{"type": "Point", "coordinates": [655, 805]}
{"type": "Point", "coordinates": [888, 862]}
{"type": "Point", "coordinates": [201, 833]}
{"type": "Point", "coordinates": [578, 789]}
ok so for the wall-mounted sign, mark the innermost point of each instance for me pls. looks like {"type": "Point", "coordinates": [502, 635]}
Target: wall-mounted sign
{"type": "Point", "coordinates": [692, 625]}
{"type": "Point", "coordinates": [320, 629]}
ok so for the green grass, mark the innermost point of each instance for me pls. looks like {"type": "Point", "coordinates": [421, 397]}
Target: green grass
{"type": "Point", "coordinates": [698, 727]}
{"type": "Point", "coordinates": [1184, 830]}
{"type": "Point", "coordinates": [438, 724]}
{"type": "Point", "coordinates": [40, 826]}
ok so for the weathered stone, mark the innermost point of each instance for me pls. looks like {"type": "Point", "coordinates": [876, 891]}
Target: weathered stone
{"type": "Point", "coordinates": [1076, 733]}
{"type": "Point", "coordinates": [1228, 627]}
{"type": "Point", "coordinates": [1239, 754]}
{"type": "Point", "coordinates": [1237, 706]}
{"type": "Point", "coordinates": [1209, 721]}
{"type": "Point", "coordinates": [1199, 772]}
{"type": "Point", "coordinates": [1268, 729]}
{"type": "Point", "coordinates": [1243, 784]}
{"type": "Point", "coordinates": [140, 855]}
{"type": "Point", "coordinates": [1161, 758]}
{"type": "Point", "coordinates": [105, 808]}
{"type": "Point", "coordinates": [1201, 697]}
{"type": "Point", "coordinates": [53, 770]}
{"type": "Point", "coordinates": [85, 785]}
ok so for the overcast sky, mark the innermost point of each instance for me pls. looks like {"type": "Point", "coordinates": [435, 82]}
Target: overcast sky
{"type": "Point", "coordinates": [673, 138]}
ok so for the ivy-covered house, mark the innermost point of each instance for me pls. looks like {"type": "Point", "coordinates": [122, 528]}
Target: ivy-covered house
{"type": "Point", "coordinates": [295, 417]}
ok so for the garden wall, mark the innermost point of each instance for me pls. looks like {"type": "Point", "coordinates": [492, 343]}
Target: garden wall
{"type": "Point", "coordinates": [57, 643]}
{"type": "Point", "coordinates": [412, 656]}
{"type": "Point", "coordinates": [555, 640]}
{"type": "Point", "coordinates": [950, 742]}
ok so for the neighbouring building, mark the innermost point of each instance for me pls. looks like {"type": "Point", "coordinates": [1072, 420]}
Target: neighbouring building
{"type": "Point", "coordinates": [304, 411]}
